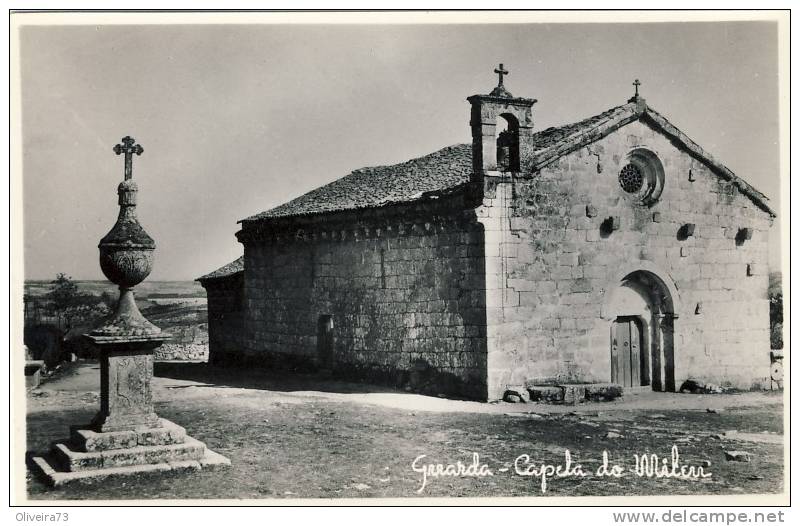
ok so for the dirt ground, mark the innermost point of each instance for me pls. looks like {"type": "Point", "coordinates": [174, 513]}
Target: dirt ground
{"type": "Point", "coordinates": [304, 436]}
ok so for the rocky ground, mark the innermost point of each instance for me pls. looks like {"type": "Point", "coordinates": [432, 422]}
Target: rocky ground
{"type": "Point", "coordinates": [309, 437]}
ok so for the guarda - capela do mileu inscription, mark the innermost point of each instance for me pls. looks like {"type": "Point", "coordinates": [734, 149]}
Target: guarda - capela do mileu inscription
{"type": "Point", "coordinates": [647, 465]}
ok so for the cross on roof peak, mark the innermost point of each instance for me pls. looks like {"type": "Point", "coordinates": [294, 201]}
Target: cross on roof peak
{"type": "Point", "coordinates": [638, 99]}
{"type": "Point", "coordinates": [500, 72]}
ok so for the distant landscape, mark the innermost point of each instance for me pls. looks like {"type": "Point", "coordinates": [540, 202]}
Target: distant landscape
{"type": "Point", "coordinates": [155, 289]}
{"type": "Point", "coordinates": [177, 307]}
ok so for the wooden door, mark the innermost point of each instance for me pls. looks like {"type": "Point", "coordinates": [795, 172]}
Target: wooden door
{"type": "Point", "coordinates": [325, 341]}
{"type": "Point", "coordinates": [626, 352]}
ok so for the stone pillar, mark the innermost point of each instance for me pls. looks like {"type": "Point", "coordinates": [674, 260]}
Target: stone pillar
{"type": "Point", "coordinates": [657, 349]}
{"type": "Point", "coordinates": [126, 398]}
{"type": "Point", "coordinates": [667, 338]}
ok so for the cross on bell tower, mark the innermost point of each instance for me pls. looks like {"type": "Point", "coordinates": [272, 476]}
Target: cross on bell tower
{"type": "Point", "coordinates": [128, 147]}
{"type": "Point", "coordinates": [502, 127]}
{"type": "Point", "coordinates": [500, 72]}
{"type": "Point", "coordinates": [500, 90]}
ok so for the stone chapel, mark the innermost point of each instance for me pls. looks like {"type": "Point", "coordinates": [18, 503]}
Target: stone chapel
{"type": "Point", "coordinates": [614, 249]}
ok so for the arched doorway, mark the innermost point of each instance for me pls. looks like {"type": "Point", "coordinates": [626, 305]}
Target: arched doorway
{"type": "Point", "coordinates": [641, 310]}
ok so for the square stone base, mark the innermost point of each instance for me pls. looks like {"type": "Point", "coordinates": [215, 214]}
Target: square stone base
{"type": "Point", "coordinates": [106, 423]}
{"type": "Point", "coordinates": [92, 455]}
{"type": "Point", "coordinates": [55, 477]}
{"type": "Point", "coordinates": [165, 432]}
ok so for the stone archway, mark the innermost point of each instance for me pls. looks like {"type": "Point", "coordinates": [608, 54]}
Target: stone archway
{"type": "Point", "coordinates": [640, 309]}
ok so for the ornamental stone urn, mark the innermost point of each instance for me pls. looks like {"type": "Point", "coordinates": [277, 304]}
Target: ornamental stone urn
{"type": "Point", "coordinates": [126, 258]}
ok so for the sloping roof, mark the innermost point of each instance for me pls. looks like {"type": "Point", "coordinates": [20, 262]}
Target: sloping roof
{"type": "Point", "coordinates": [757, 197]}
{"type": "Point", "coordinates": [557, 142]}
{"type": "Point", "coordinates": [449, 168]}
{"type": "Point", "coordinates": [574, 136]}
{"type": "Point", "coordinates": [234, 267]}
{"type": "Point", "coordinates": [381, 185]}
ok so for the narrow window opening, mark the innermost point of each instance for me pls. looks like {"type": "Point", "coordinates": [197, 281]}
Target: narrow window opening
{"type": "Point", "coordinates": [313, 270]}
{"type": "Point", "coordinates": [325, 341]}
{"type": "Point", "coordinates": [383, 269]}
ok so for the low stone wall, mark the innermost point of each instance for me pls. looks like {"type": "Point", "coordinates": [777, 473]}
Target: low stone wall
{"type": "Point", "coordinates": [182, 351]}
{"type": "Point", "coordinates": [45, 343]}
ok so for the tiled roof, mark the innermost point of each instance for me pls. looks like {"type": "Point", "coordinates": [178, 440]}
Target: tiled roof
{"type": "Point", "coordinates": [550, 139]}
{"type": "Point", "coordinates": [234, 267]}
{"type": "Point", "coordinates": [449, 168]}
{"type": "Point", "coordinates": [380, 185]}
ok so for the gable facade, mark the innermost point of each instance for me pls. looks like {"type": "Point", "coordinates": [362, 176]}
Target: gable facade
{"type": "Point", "coordinates": [571, 256]}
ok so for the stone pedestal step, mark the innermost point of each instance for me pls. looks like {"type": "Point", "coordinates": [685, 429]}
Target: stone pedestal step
{"type": "Point", "coordinates": [575, 393]}
{"type": "Point", "coordinates": [69, 460]}
{"type": "Point", "coordinates": [55, 477]}
{"type": "Point", "coordinates": [88, 440]}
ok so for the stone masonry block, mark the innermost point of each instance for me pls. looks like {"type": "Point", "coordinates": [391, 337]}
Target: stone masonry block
{"type": "Point", "coordinates": [574, 393]}
{"type": "Point", "coordinates": [603, 392]}
{"type": "Point", "coordinates": [87, 440]}
{"type": "Point", "coordinates": [546, 393]}
{"type": "Point", "coordinates": [70, 460]}
{"type": "Point", "coordinates": [581, 285]}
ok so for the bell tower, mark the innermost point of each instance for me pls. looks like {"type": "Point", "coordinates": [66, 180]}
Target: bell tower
{"type": "Point", "coordinates": [495, 149]}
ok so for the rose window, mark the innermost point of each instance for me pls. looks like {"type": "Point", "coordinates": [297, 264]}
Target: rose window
{"type": "Point", "coordinates": [631, 178]}
{"type": "Point", "coordinates": [642, 176]}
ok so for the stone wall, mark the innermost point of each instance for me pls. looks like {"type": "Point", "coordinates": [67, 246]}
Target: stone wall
{"type": "Point", "coordinates": [182, 352]}
{"type": "Point", "coordinates": [552, 267]}
{"type": "Point", "coordinates": [403, 286]}
{"type": "Point", "coordinates": [225, 318]}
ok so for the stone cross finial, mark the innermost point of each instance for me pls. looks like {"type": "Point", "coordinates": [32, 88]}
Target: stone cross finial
{"type": "Point", "coordinates": [636, 85]}
{"type": "Point", "coordinates": [500, 72]}
{"type": "Point", "coordinates": [128, 147]}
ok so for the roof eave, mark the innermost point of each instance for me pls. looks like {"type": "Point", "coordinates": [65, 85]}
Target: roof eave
{"type": "Point", "coordinates": [207, 278]}
{"type": "Point", "coordinates": [697, 151]}
{"type": "Point", "coordinates": [426, 196]}
{"type": "Point", "coordinates": [628, 114]}
{"type": "Point", "coordinates": [225, 271]}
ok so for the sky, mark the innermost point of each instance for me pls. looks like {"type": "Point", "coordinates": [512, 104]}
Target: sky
{"type": "Point", "coordinates": [237, 119]}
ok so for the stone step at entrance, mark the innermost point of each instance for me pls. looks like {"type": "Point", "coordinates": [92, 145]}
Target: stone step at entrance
{"type": "Point", "coordinates": [93, 455]}
{"type": "Point", "coordinates": [575, 393]}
